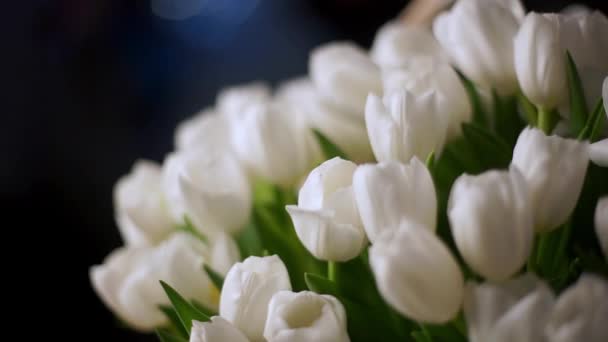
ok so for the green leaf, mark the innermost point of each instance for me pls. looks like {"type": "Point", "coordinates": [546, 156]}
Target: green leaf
{"type": "Point", "coordinates": [430, 161]}
{"type": "Point", "coordinates": [174, 320]}
{"type": "Point", "coordinates": [330, 150]}
{"type": "Point", "coordinates": [189, 228]}
{"type": "Point", "coordinates": [248, 241]}
{"type": "Point", "coordinates": [507, 122]}
{"type": "Point", "coordinates": [185, 311]}
{"type": "Point", "coordinates": [491, 150]}
{"type": "Point", "coordinates": [529, 109]}
{"type": "Point", "coordinates": [216, 278]}
{"type": "Point", "coordinates": [166, 336]}
{"type": "Point", "coordinates": [578, 105]}
{"type": "Point", "coordinates": [320, 284]}
{"type": "Point", "coordinates": [595, 121]}
{"type": "Point", "coordinates": [479, 114]}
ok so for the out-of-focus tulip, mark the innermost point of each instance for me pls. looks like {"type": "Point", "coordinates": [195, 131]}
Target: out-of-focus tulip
{"type": "Point", "coordinates": [326, 218]}
{"type": "Point", "coordinates": [305, 316]}
{"type": "Point", "coordinates": [540, 61]}
{"type": "Point", "coordinates": [601, 223]}
{"type": "Point", "coordinates": [598, 151]}
{"type": "Point", "coordinates": [389, 193]}
{"type": "Point", "coordinates": [478, 37]}
{"type": "Point", "coordinates": [247, 290]}
{"type": "Point", "coordinates": [217, 330]}
{"type": "Point", "coordinates": [210, 187]}
{"type": "Point", "coordinates": [233, 101]}
{"type": "Point", "coordinates": [554, 168]}
{"type": "Point", "coordinates": [491, 219]}
{"type": "Point", "coordinates": [416, 273]}
{"type": "Point", "coordinates": [207, 130]}
{"type": "Point", "coordinates": [139, 206]}
{"type": "Point", "coordinates": [404, 124]}
{"type": "Point", "coordinates": [344, 74]}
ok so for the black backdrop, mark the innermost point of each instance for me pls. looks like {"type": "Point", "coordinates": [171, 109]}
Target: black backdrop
{"type": "Point", "coordinates": [90, 86]}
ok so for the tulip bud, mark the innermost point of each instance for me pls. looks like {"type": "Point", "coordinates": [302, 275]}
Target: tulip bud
{"type": "Point", "coordinates": [425, 75]}
{"type": "Point", "coordinates": [273, 143]}
{"type": "Point", "coordinates": [396, 45]}
{"type": "Point", "coordinates": [344, 75]}
{"type": "Point", "coordinates": [139, 206]}
{"type": "Point", "coordinates": [585, 36]}
{"type": "Point", "coordinates": [580, 312]}
{"type": "Point", "coordinates": [554, 168]}
{"type": "Point", "coordinates": [478, 37]}
{"type": "Point", "coordinates": [248, 288]}
{"type": "Point", "coordinates": [326, 218]}
{"type": "Point", "coordinates": [305, 316]}
{"type": "Point", "coordinates": [210, 187]}
{"type": "Point", "coordinates": [491, 221]}
{"type": "Point", "coordinates": [540, 61]}
{"type": "Point", "coordinates": [233, 101]}
{"type": "Point", "coordinates": [416, 274]}
{"type": "Point", "coordinates": [513, 311]}
{"type": "Point", "coordinates": [207, 130]}
{"type": "Point", "coordinates": [217, 330]}
{"type": "Point", "coordinates": [390, 192]}
{"type": "Point", "coordinates": [341, 127]}
{"type": "Point", "coordinates": [128, 280]}
{"type": "Point", "coordinates": [403, 125]}
{"type": "Point", "coordinates": [601, 223]}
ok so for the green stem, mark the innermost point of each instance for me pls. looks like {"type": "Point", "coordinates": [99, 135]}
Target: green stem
{"type": "Point", "coordinates": [564, 238]}
{"type": "Point", "coordinates": [546, 120]}
{"type": "Point", "coordinates": [331, 270]}
{"type": "Point", "coordinates": [541, 252]}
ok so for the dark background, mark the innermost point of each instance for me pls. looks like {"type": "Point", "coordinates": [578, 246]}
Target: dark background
{"type": "Point", "coordinates": [90, 86]}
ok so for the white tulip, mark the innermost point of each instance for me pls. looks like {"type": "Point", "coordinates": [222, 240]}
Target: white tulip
{"type": "Point", "coordinates": [404, 124]}
{"type": "Point", "coordinates": [580, 312]}
{"type": "Point", "coordinates": [210, 187]}
{"type": "Point", "coordinates": [513, 311]}
{"type": "Point", "coordinates": [206, 130]}
{"type": "Point", "coordinates": [478, 37]}
{"type": "Point", "coordinates": [425, 75]}
{"type": "Point", "coordinates": [274, 142]}
{"type": "Point", "coordinates": [326, 219]}
{"type": "Point", "coordinates": [554, 168]}
{"type": "Point", "coordinates": [305, 316]}
{"type": "Point", "coordinates": [348, 132]}
{"type": "Point", "coordinates": [139, 206]}
{"type": "Point", "coordinates": [248, 288]}
{"type": "Point", "coordinates": [491, 219]}
{"type": "Point", "coordinates": [540, 61]}
{"type": "Point", "coordinates": [601, 223]}
{"type": "Point", "coordinates": [233, 101]}
{"type": "Point", "coordinates": [585, 35]}
{"type": "Point", "coordinates": [396, 45]}
{"type": "Point", "coordinates": [390, 192]}
{"type": "Point", "coordinates": [344, 74]}
{"type": "Point", "coordinates": [416, 273]}
{"type": "Point", "coordinates": [128, 280]}
{"type": "Point", "coordinates": [217, 330]}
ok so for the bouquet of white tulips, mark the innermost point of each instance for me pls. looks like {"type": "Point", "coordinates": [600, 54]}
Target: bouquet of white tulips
{"type": "Point", "coordinates": [448, 185]}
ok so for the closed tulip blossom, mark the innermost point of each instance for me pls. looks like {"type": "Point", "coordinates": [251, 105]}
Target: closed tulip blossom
{"type": "Point", "coordinates": [405, 124]}
{"type": "Point", "coordinates": [247, 290]}
{"type": "Point", "coordinates": [128, 280]}
{"type": "Point", "coordinates": [140, 206]}
{"type": "Point", "coordinates": [326, 219]}
{"type": "Point", "coordinates": [478, 37]}
{"type": "Point", "coordinates": [217, 330]}
{"type": "Point", "coordinates": [554, 168]}
{"type": "Point", "coordinates": [580, 312]}
{"type": "Point", "coordinates": [601, 223]}
{"type": "Point", "coordinates": [516, 310]}
{"type": "Point", "coordinates": [208, 129]}
{"type": "Point", "coordinates": [344, 75]}
{"type": "Point", "coordinates": [416, 273]}
{"type": "Point", "coordinates": [233, 101]}
{"type": "Point", "coordinates": [491, 220]}
{"type": "Point", "coordinates": [211, 189]}
{"type": "Point", "coordinates": [396, 45]}
{"type": "Point", "coordinates": [426, 75]}
{"type": "Point", "coordinates": [540, 61]}
{"type": "Point", "coordinates": [305, 316]}
{"type": "Point", "coordinates": [389, 193]}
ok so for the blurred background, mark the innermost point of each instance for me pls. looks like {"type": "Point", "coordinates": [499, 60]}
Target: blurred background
{"type": "Point", "coordinates": [90, 86]}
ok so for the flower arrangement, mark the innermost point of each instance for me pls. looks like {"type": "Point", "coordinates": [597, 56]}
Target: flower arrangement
{"type": "Point", "coordinates": [448, 185]}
